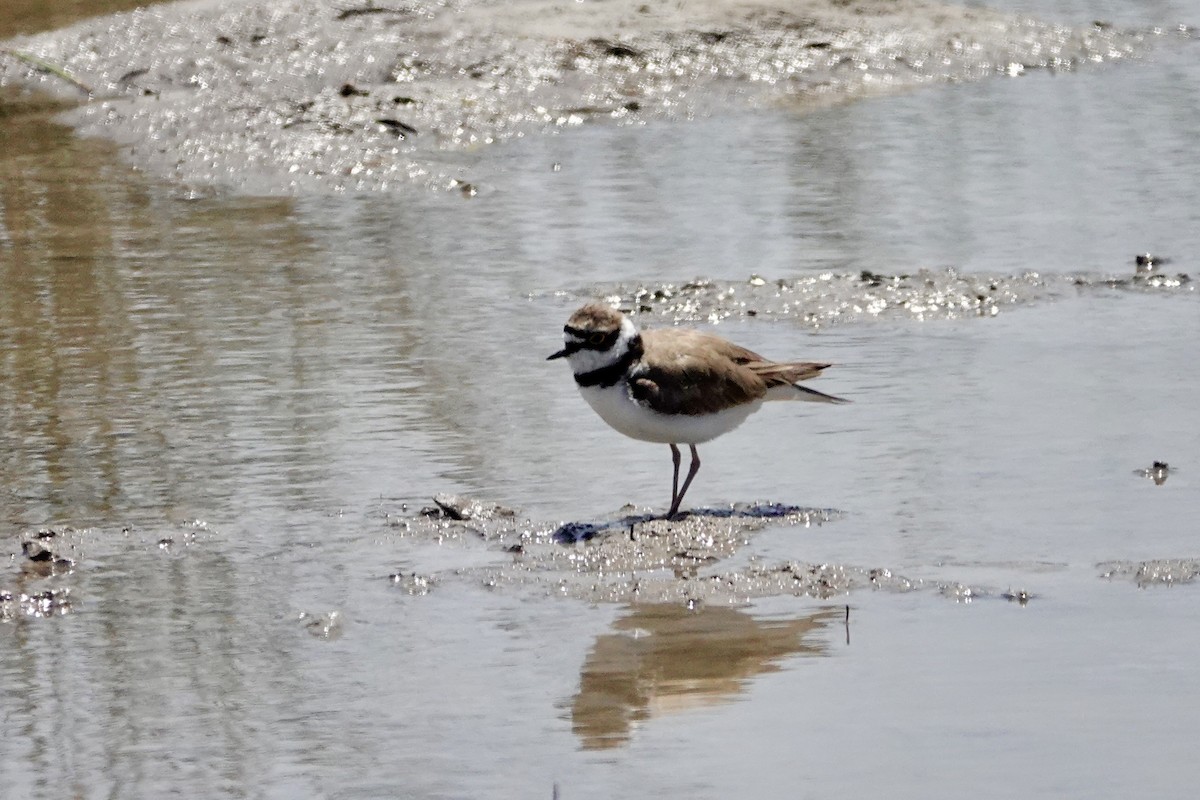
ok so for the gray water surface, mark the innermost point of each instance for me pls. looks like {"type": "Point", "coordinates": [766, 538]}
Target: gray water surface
{"type": "Point", "coordinates": [236, 399]}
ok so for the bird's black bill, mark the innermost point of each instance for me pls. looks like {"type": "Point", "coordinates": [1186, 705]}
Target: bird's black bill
{"type": "Point", "coordinates": [572, 347]}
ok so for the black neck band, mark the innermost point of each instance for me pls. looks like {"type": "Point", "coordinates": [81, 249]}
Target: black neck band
{"type": "Point", "coordinates": [608, 376]}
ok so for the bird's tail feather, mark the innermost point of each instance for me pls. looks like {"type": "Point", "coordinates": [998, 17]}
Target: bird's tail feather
{"type": "Point", "coordinates": [784, 381]}
{"type": "Point", "coordinates": [813, 396]}
{"type": "Point", "coordinates": [794, 391]}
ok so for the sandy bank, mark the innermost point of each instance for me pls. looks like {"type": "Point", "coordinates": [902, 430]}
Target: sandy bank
{"type": "Point", "coordinates": [267, 97]}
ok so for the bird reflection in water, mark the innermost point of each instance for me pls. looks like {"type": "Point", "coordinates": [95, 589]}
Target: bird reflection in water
{"type": "Point", "coordinates": [667, 658]}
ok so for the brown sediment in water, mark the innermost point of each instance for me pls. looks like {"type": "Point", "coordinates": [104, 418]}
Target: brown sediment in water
{"type": "Point", "coordinates": [33, 16]}
{"type": "Point", "coordinates": [312, 96]}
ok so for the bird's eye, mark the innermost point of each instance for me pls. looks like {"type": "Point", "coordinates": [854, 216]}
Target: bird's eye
{"type": "Point", "coordinates": [597, 338]}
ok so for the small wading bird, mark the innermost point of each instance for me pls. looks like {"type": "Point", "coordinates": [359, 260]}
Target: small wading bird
{"type": "Point", "coordinates": [672, 385]}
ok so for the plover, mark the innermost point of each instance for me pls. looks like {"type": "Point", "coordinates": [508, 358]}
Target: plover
{"type": "Point", "coordinates": [673, 385]}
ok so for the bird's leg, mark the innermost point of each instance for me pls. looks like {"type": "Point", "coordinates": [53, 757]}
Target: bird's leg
{"type": "Point", "coordinates": [692, 470]}
{"type": "Point", "coordinates": [674, 482]}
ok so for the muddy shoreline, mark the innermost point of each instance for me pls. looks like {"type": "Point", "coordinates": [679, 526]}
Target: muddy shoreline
{"type": "Point", "coordinates": [312, 96]}
{"type": "Point", "coordinates": [630, 557]}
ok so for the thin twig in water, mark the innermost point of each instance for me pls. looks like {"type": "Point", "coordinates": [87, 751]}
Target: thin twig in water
{"type": "Point", "coordinates": [46, 66]}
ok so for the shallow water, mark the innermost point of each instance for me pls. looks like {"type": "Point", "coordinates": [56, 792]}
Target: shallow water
{"type": "Point", "coordinates": [294, 373]}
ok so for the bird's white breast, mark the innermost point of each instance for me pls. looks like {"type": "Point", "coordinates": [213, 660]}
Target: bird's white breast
{"type": "Point", "coordinates": [626, 415]}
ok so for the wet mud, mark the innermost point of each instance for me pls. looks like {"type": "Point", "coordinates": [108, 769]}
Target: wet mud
{"type": "Point", "coordinates": [1155, 572]}
{"type": "Point", "coordinates": [705, 558]}
{"type": "Point", "coordinates": [1158, 472]}
{"type": "Point", "coordinates": [46, 564]}
{"type": "Point", "coordinates": [826, 298]}
{"type": "Point", "coordinates": [38, 584]}
{"type": "Point", "coordinates": [267, 97]}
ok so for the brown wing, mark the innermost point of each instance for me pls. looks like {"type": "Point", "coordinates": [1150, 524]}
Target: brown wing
{"type": "Point", "coordinates": [690, 372]}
